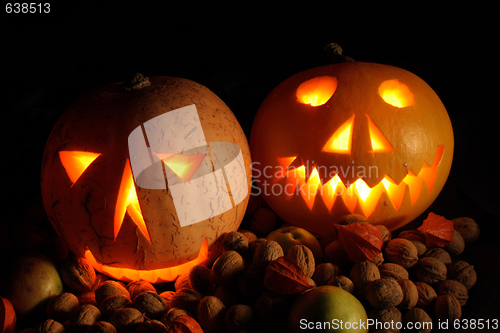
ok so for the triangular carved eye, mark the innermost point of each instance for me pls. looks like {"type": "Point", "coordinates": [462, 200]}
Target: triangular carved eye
{"type": "Point", "coordinates": [76, 162]}
{"type": "Point", "coordinates": [183, 166]}
{"type": "Point", "coordinates": [341, 141]}
{"type": "Point", "coordinates": [379, 142]}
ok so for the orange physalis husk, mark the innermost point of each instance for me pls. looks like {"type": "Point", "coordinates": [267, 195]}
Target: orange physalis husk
{"type": "Point", "coordinates": [184, 324]}
{"type": "Point", "coordinates": [284, 276]}
{"type": "Point", "coordinates": [438, 231]}
{"type": "Point", "coordinates": [361, 241]}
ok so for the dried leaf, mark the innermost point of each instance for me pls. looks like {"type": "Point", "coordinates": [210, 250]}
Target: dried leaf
{"type": "Point", "coordinates": [284, 276]}
{"type": "Point", "coordinates": [438, 231]}
{"type": "Point", "coordinates": [361, 241]}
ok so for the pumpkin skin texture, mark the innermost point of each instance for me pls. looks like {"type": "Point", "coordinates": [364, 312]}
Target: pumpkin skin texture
{"type": "Point", "coordinates": [403, 153]}
{"type": "Point", "coordinates": [83, 212]}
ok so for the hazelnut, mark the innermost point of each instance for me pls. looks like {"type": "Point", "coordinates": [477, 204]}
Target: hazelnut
{"type": "Point", "coordinates": [227, 268]}
{"type": "Point", "coordinates": [384, 293]}
{"type": "Point", "coordinates": [343, 282]}
{"type": "Point", "coordinates": [439, 253]}
{"type": "Point", "coordinates": [235, 241]}
{"type": "Point", "coordinates": [266, 252]}
{"type": "Point", "coordinates": [200, 278]}
{"type": "Point", "coordinates": [210, 314]}
{"type": "Point", "coordinates": [362, 273]}
{"type": "Point", "coordinates": [304, 258]}
{"type": "Point", "coordinates": [239, 317]}
{"type": "Point", "coordinates": [62, 306]}
{"type": "Point", "coordinates": [467, 227]}
{"type": "Point", "coordinates": [447, 307]}
{"type": "Point", "coordinates": [150, 304]}
{"type": "Point", "coordinates": [426, 295]}
{"type": "Point", "coordinates": [78, 274]}
{"type": "Point", "coordinates": [454, 288]}
{"type": "Point", "coordinates": [417, 315]}
{"type": "Point", "coordinates": [462, 272]}
{"type": "Point", "coordinates": [325, 272]}
{"type": "Point", "coordinates": [410, 294]}
{"type": "Point", "coordinates": [431, 270]}
{"type": "Point", "coordinates": [393, 271]}
{"type": "Point", "coordinates": [457, 245]}
{"type": "Point", "coordinates": [402, 252]}
{"type": "Point", "coordinates": [126, 319]}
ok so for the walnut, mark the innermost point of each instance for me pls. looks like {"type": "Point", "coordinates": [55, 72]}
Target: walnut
{"type": "Point", "coordinates": [110, 288]}
{"type": "Point", "coordinates": [78, 274]}
{"type": "Point", "coordinates": [417, 237]}
{"type": "Point", "coordinates": [227, 268]}
{"type": "Point", "coordinates": [462, 272]}
{"type": "Point", "coordinates": [200, 279]}
{"type": "Point", "coordinates": [384, 293]}
{"type": "Point", "coordinates": [447, 307]}
{"type": "Point", "coordinates": [210, 314]}
{"type": "Point", "coordinates": [467, 227]}
{"type": "Point", "coordinates": [440, 253]}
{"type": "Point", "coordinates": [335, 254]}
{"type": "Point", "coordinates": [151, 326]}
{"type": "Point", "coordinates": [50, 326]}
{"type": "Point", "coordinates": [172, 313]}
{"type": "Point", "coordinates": [101, 327]}
{"type": "Point", "coordinates": [343, 282]}
{"type": "Point", "coordinates": [304, 258]}
{"type": "Point", "coordinates": [186, 299]}
{"type": "Point", "coordinates": [182, 282]}
{"type": "Point", "coordinates": [402, 252]}
{"type": "Point", "coordinates": [266, 252]}
{"type": "Point", "coordinates": [386, 233]}
{"type": "Point", "coordinates": [325, 272]}
{"type": "Point", "coordinates": [110, 304]}
{"type": "Point", "coordinates": [426, 295]}
{"type": "Point", "coordinates": [62, 306]}
{"type": "Point", "coordinates": [86, 298]}
{"type": "Point", "coordinates": [126, 319]}
{"type": "Point", "coordinates": [235, 241]}
{"type": "Point", "coordinates": [393, 271]}
{"type": "Point", "coordinates": [351, 218]}
{"type": "Point", "coordinates": [379, 259]}
{"type": "Point", "coordinates": [239, 317]}
{"type": "Point", "coordinates": [328, 238]}
{"type": "Point", "coordinates": [263, 222]}
{"type": "Point", "coordinates": [84, 317]}
{"type": "Point", "coordinates": [454, 288]}
{"type": "Point", "coordinates": [249, 235]}
{"type": "Point", "coordinates": [138, 287]}
{"type": "Point", "coordinates": [431, 270]}
{"type": "Point", "coordinates": [410, 294]}
{"type": "Point", "coordinates": [362, 273]}
{"type": "Point", "coordinates": [417, 315]}
{"type": "Point", "coordinates": [457, 245]}
{"type": "Point", "coordinates": [150, 304]}
{"type": "Point", "coordinates": [167, 295]}
{"type": "Point", "coordinates": [381, 316]}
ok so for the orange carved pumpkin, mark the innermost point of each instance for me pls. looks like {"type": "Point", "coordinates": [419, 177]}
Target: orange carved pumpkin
{"type": "Point", "coordinates": [351, 138]}
{"type": "Point", "coordinates": [143, 182]}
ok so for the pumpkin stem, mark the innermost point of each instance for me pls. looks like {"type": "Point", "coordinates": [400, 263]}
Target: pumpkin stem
{"type": "Point", "coordinates": [334, 52]}
{"type": "Point", "coordinates": [137, 82]}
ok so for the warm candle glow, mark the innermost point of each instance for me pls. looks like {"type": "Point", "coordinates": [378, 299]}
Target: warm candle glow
{"type": "Point", "coordinates": [340, 142]}
{"type": "Point", "coordinates": [76, 162]}
{"type": "Point", "coordinates": [396, 93]}
{"type": "Point", "coordinates": [317, 91]}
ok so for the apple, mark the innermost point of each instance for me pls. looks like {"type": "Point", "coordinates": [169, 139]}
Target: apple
{"type": "Point", "coordinates": [290, 235]}
{"type": "Point", "coordinates": [327, 309]}
{"type": "Point", "coordinates": [32, 280]}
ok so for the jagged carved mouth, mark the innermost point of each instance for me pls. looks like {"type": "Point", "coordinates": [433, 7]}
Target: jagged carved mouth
{"type": "Point", "coordinates": [294, 182]}
{"type": "Point", "coordinates": [154, 276]}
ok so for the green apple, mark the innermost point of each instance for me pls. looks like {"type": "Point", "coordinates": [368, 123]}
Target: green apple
{"type": "Point", "coordinates": [327, 309]}
{"type": "Point", "coordinates": [32, 281]}
{"type": "Point", "coordinates": [290, 236]}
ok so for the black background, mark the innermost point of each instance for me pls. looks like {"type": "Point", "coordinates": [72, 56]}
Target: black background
{"type": "Point", "coordinates": [241, 50]}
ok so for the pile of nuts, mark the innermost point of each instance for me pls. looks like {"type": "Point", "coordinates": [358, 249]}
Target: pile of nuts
{"type": "Point", "coordinates": [406, 282]}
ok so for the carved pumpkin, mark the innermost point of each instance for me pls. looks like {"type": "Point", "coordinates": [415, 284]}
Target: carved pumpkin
{"type": "Point", "coordinates": [351, 138]}
{"type": "Point", "coordinates": [143, 182]}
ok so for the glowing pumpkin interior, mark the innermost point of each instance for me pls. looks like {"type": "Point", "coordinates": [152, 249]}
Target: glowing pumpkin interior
{"type": "Point", "coordinates": [76, 162]}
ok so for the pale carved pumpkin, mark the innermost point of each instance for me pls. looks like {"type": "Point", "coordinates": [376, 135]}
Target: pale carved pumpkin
{"type": "Point", "coordinates": [143, 182]}
{"type": "Point", "coordinates": [351, 138]}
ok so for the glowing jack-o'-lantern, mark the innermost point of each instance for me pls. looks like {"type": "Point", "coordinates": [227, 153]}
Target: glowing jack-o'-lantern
{"type": "Point", "coordinates": [143, 182]}
{"type": "Point", "coordinates": [351, 138]}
